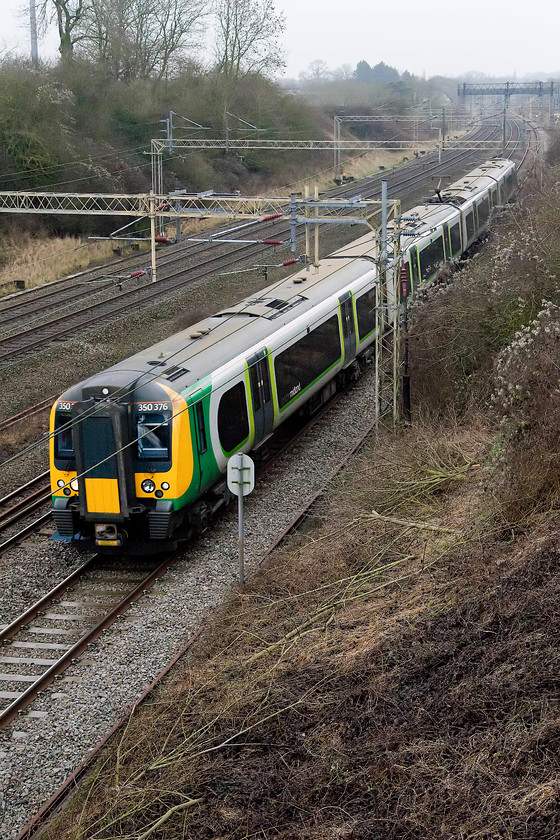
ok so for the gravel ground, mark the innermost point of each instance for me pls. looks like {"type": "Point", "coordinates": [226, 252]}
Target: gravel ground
{"type": "Point", "coordinates": [40, 750]}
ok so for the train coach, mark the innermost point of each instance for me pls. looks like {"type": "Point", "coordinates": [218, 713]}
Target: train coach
{"type": "Point", "coordinates": [138, 452]}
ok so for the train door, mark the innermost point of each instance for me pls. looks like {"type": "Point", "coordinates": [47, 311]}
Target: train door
{"type": "Point", "coordinates": [103, 461]}
{"type": "Point", "coordinates": [348, 326]}
{"type": "Point", "coordinates": [447, 242]}
{"type": "Point", "coordinates": [261, 394]}
{"type": "Point", "coordinates": [200, 438]}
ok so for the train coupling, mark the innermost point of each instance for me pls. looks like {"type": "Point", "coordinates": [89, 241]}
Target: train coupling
{"type": "Point", "coordinates": [107, 534]}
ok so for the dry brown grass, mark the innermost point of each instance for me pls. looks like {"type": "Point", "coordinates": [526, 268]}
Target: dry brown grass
{"type": "Point", "coordinates": [360, 166]}
{"type": "Point", "coordinates": [38, 260]}
{"type": "Point", "coordinates": [274, 726]}
{"type": "Point", "coordinates": [488, 336]}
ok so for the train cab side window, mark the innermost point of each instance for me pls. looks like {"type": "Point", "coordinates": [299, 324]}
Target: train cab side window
{"type": "Point", "coordinates": [153, 437]}
{"type": "Point", "coordinates": [199, 409]}
{"type": "Point", "coordinates": [233, 420]}
{"type": "Point", "coordinates": [63, 444]}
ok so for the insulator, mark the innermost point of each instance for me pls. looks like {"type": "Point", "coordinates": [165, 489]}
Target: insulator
{"type": "Point", "coordinates": [162, 240]}
{"type": "Point", "coordinates": [137, 273]}
{"type": "Point", "coordinates": [271, 217]}
{"type": "Point", "coordinates": [271, 242]}
{"type": "Point", "coordinates": [404, 280]}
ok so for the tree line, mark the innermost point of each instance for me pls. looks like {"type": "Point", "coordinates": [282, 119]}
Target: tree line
{"type": "Point", "coordinates": [140, 39]}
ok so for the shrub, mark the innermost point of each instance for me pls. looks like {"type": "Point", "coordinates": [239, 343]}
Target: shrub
{"type": "Point", "coordinates": [527, 400]}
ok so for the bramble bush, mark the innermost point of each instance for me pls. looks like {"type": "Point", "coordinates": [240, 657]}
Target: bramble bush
{"type": "Point", "coordinates": [486, 339]}
{"type": "Point", "coordinates": [527, 401]}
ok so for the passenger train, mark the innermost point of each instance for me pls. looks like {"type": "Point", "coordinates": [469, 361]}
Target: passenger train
{"type": "Point", "coordinates": [138, 452]}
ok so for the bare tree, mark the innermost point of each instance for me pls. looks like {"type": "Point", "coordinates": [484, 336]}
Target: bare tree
{"type": "Point", "coordinates": [141, 38]}
{"type": "Point", "coordinates": [247, 37]}
{"type": "Point", "coordinates": [68, 15]}
{"type": "Point", "coordinates": [317, 71]}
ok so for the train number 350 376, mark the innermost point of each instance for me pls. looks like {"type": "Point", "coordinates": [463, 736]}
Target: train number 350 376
{"type": "Point", "coordinates": [153, 406]}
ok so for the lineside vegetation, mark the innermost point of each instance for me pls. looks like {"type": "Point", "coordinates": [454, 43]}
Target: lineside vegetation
{"type": "Point", "coordinates": [393, 671]}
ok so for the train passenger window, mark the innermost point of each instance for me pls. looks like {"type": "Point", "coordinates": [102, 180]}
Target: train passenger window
{"type": "Point", "coordinates": [510, 183]}
{"type": "Point", "coordinates": [431, 258]}
{"type": "Point", "coordinates": [199, 409]}
{"type": "Point", "coordinates": [365, 310]}
{"type": "Point", "coordinates": [63, 444]}
{"type": "Point", "coordinates": [455, 234]}
{"type": "Point", "coordinates": [305, 361]}
{"type": "Point", "coordinates": [233, 420]}
{"type": "Point", "coordinates": [483, 211]}
{"type": "Point", "coordinates": [153, 437]}
{"type": "Point", "coordinates": [469, 220]}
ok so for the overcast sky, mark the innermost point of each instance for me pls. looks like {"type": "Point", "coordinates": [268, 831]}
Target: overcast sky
{"type": "Point", "coordinates": [435, 37]}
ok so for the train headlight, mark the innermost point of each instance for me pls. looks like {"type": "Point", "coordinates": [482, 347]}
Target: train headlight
{"type": "Point", "coordinates": [164, 485]}
{"type": "Point", "coordinates": [148, 486]}
{"type": "Point", "coordinates": [60, 482]}
{"type": "Point", "coordinates": [74, 485]}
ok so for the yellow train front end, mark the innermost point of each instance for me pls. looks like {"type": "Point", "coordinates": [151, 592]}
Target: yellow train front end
{"type": "Point", "coordinates": [121, 462]}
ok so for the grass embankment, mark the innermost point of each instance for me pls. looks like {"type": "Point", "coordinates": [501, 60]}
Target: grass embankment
{"type": "Point", "coordinates": [393, 673]}
{"type": "Point", "coordinates": [35, 260]}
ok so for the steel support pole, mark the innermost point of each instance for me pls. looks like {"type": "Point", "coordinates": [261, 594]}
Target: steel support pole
{"type": "Point", "coordinates": [316, 262]}
{"type": "Point", "coordinates": [307, 227]}
{"type": "Point", "coordinates": [293, 222]}
{"type": "Point", "coordinates": [378, 349]}
{"type": "Point", "coordinates": [153, 234]}
{"type": "Point", "coordinates": [383, 225]}
{"type": "Point", "coordinates": [241, 536]}
{"type": "Point", "coordinates": [33, 33]}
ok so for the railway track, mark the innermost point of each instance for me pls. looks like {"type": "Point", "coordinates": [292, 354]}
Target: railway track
{"type": "Point", "coordinates": [16, 507]}
{"type": "Point", "coordinates": [56, 629]}
{"type": "Point", "coordinates": [41, 643]}
{"type": "Point", "coordinates": [42, 330]}
{"type": "Point", "coordinates": [83, 284]}
{"type": "Point", "coordinates": [27, 413]}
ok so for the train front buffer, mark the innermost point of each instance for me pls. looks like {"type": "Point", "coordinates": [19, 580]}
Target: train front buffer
{"type": "Point", "coordinates": [114, 470]}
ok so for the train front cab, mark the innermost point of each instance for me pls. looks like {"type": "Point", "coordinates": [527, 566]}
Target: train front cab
{"type": "Point", "coordinates": [118, 470]}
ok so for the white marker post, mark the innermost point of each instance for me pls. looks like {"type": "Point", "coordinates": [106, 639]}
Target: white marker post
{"type": "Point", "coordinates": [241, 481]}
